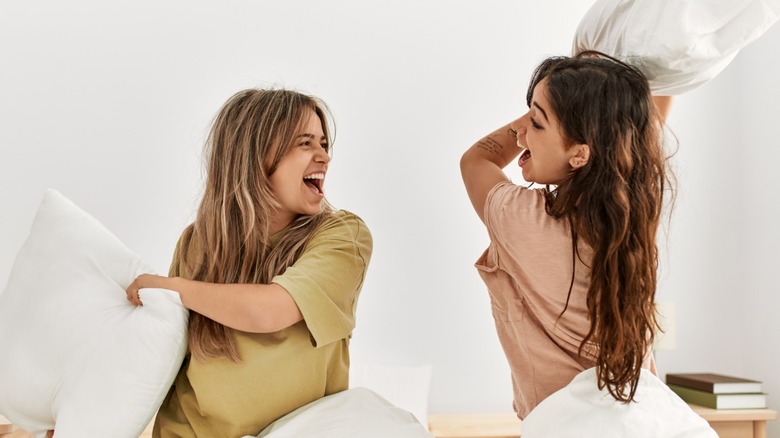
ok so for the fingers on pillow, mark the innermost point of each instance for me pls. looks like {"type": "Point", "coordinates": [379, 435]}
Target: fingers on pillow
{"type": "Point", "coordinates": [134, 296]}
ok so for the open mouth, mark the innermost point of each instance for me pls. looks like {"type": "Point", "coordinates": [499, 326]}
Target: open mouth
{"type": "Point", "coordinates": [525, 155]}
{"type": "Point", "coordinates": [314, 182]}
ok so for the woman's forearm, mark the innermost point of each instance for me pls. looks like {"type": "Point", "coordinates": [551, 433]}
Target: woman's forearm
{"type": "Point", "coordinates": [499, 147]}
{"type": "Point", "coordinates": [481, 166]}
{"type": "Point", "coordinates": [256, 308]}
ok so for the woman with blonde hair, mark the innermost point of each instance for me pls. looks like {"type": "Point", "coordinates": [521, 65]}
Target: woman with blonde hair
{"type": "Point", "coordinates": [270, 272]}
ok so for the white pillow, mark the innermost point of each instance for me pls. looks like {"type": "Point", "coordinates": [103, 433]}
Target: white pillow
{"type": "Point", "coordinates": [678, 44]}
{"type": "Point", "coordinates": [356, 412]}
{"type": "Point", "coordinates": [580, 409]}
{"type": "Point", "coordinates": [77, 356]}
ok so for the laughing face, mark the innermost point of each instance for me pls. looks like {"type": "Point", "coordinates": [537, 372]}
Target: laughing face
{"type": "Point", "coordinates": [546, 158]}
{"type": "Point", "coordinates": [299, 179]}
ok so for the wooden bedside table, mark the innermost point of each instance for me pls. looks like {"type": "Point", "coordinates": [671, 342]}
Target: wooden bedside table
{"type": "Point", "coordinates": [5, 426]}
{"type": "Point", "coordinates": [737, 423]}
{"type": "Point", "coordinates": [474, 425]}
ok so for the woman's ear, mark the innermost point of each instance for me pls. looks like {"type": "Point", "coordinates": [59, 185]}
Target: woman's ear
{"type": "Point", "coordinates": [580, 156]}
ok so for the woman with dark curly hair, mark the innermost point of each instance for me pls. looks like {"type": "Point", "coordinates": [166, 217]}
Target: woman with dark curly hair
{"type": "Point", "coordinates": [571, 267]}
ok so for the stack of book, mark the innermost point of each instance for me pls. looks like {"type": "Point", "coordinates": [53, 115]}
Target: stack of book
{"type": "Point", "coordinates": [717, 391]}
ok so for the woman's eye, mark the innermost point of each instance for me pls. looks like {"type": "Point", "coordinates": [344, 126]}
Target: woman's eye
{"type": "Point", "coordinates": [535, 125]}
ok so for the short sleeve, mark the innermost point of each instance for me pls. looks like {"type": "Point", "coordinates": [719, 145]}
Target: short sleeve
{"type": "Point", "coordinates": [512, 208]}
{"type": "Point", "coordinates": [327, 278]}
{"type": "Point", "coordinates": [678, 45]}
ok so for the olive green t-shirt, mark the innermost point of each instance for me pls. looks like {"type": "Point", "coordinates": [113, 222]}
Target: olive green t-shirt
{"type": "Point", "coordinates": [279, 371]}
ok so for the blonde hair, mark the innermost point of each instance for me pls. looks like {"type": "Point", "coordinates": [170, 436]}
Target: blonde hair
{"type": "Point", "coordinates": [232, 227]}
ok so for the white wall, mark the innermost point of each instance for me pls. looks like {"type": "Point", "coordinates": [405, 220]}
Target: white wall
{"type": "Point", "coordinates": [758, 258]}
{"type": "Point", "coordinates": [722, 257]}
{"type": "Point", "coordinates": [109, 103]}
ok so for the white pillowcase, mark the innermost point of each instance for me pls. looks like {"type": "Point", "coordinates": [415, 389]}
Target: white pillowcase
{"type": "Point", "coordinates": [581, 409]}
{"type": "Point", "coordinates": [356, 412]}
{"type": "Point", "coordinates": [77, 356]}
{"type": "Point", "coordinates": [678, 44]}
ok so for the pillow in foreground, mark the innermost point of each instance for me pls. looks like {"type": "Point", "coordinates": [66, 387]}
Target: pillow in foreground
{"type": "Point", "coordinates": [356, 412]}
{"type": "Point", "coordinates": [582, 409]}
{"type": "Point", "coordinates": [78, 357]}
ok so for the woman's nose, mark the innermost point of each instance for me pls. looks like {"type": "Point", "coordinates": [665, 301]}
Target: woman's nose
{"type": "Point", "coordinates": [520, 127]}
{"type": "Point", "coordinates": [521, 124]}
{"type": "Point", "coordinates": [322, 156]}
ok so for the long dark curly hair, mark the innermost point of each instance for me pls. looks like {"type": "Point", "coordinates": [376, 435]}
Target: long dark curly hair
{"type": "Point", "coordinates": [614, 203]}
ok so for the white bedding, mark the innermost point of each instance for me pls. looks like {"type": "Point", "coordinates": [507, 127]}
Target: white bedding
{"type": "Point", "coordinates": [580, 409]}
{"type": "Point", "coordinates": [356, 412]}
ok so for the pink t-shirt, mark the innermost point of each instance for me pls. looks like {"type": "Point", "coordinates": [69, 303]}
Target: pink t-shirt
{"type": "Point", "coordinates": [528, 269]}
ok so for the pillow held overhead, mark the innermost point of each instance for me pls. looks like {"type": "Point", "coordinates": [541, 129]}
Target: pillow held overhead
{"type": "Point", "coordinates": [678, 45]}
{"type": "Point", "coordinates": [78, 357]}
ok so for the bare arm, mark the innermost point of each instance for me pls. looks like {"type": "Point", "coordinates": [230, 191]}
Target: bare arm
{"type": "Point", "coordinates": [481, 166]}
{"type": "Point", "coordinates": [664, 105]}
{"type": "Point", "coordinates": [255, 308]}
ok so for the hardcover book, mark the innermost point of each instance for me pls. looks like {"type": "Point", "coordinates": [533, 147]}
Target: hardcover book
{"type": "Point", "coordinates": [720, 401]}
{"type": "Point", "coordinates": [714, 383]}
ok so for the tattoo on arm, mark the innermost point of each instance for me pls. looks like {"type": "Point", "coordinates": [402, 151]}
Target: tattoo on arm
{"type": "Point", "coordinates": [489, 144]}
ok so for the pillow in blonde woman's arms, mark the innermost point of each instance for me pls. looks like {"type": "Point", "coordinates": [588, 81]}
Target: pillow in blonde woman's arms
{"type": "Point", "coordinates": [77, 356]}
